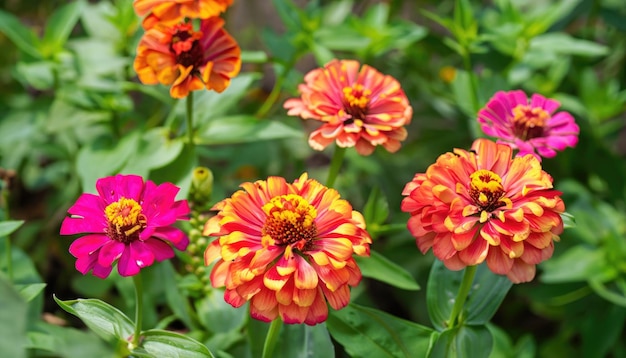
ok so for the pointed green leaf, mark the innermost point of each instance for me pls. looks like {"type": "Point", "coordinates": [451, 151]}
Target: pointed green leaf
{"type": "Point", "coordinates": [9, 226]}
{"type": "Point", "coordinates": [166, 344]}
{"type": "Point", "coordinates": [376, 208]}
{"type": "Point", "coordinates": [304, 341]}
{"type": "Point", "coordinates": [217, 315]}
{"type": "Point", "coordinates": [21, 36]}
{"type": "Point", "coordinates": [29, 292]}
{"type": "Point", "coordinates": [487, 293]}
{"type": "Point", "coordinates": [382, 269]}
{"type": "Point", "coordinates": [103, 319]}
{"type": "Point", "coordinates": [463, 342]}
{"type": "Point", "coordinates": [59, 27]}
{"type": "Point", "coordinates": [244, 129]}
{"type": "Point", "coordinates": [367, 332]}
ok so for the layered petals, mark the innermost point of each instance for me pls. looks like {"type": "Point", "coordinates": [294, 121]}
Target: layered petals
{"type": "Point", "coordinates": [173, 11]}
{"type": "Point", "coordinates": [287, 248]}
{"type": "Point", "coordinates": [482, 205]}
{"type": "Point", "coordinates": [187, 60]}
{"type": "Point", "coordinates": [358, 106]}
{"type": "Point", "coordinates": [529, 125]}
{"type": "Point", "coordinates": [128, 222]}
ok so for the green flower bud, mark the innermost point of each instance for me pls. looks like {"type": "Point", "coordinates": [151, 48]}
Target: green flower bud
{"type": "Point", "coordinates": [202, 184]}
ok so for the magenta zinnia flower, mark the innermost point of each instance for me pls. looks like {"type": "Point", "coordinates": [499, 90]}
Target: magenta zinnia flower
{"type": "Point", "coordinates": [530, 127]}
{"type": "Point", "coordinates": [129, 221]}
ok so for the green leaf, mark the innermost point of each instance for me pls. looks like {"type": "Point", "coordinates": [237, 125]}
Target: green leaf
{"type": "Point", "coordinates": [59, 27]}
{"type": "Point", "coordinates": [30, 291]}
{"type": "Point", "coordinates": [245, 129]}
{"type": "Point", "coordinates": [304, 341]}
{"type": "Point", "coordinates": [376, 209]}
{"type": "Point", "coordinates": [67, 341]}
{"type": "Point", "coordinates": [487, 293]}
{"type": "Point", "coordinates": [23, 37]}
{"type": "Point", "coordinates": [569, 221]}
{"type": "Point", "coordinates": [382, 269]}
{"type": "Point", "coordinates": [101, 159]}
{"type": "Point", "coordinates": [217, 315]}
{"type": "Point", "coordinates": [366, 332]}
{"type": "Point", "coordinates": [103, 319]}
{"type": "Point", "coordinates": [254, 57]}
{"type": "Point", "coordinates": [10, 226]}
{"type": "Point", "coordinates": [562, 43]}
{"type": "Point", "coordinates": [463, 341]}
{"type": "Point", "coordinates": [574, 265]}
{"type": "Point", "coordinates": [154, 150]}
{"type": "Point", "coordinates": [175, 299]}
{"type": "Point", "coordinates": [39, 74]}
{"type": "Point", "coordinates": [166, 344]}
{"type": "Point", "coordinates": [178, 171]}
{"type": "Point", "coordinates": [14, 310]}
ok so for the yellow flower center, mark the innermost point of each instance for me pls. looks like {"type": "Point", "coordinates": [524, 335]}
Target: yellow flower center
{"type": "Point", "coordinates": [528, 122]}
{"type": "Point", "coordinates": [290, 219]}
{"type": "Point", "coordinates": [125, 220]}
{"type": "Point", "coordinates": [486, 190]}
{"type": "Point", "coordinates": [356, 100]}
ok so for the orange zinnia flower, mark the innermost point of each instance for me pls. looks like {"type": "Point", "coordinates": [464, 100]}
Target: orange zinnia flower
{"type": "Point", "coordinates": [286, 248]}
{"type": "Point", "coordinates": [188, 60]}
{"type": "Point", "coordinates": [482, 205]}
{"type": "Point", "coordinates": [360, 108]}
{"type": "Point", "coordinates": [173, 11]}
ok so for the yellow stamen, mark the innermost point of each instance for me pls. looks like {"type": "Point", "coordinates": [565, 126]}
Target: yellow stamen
{"type": "Point", "coordinates": [290, 219]}
{"type": "Point", "coordinates": [125, 219]}
{"type": "Point", "coordinates": [528, 122]}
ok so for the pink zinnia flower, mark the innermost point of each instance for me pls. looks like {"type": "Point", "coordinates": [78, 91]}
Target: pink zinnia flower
{"type": "Point", "coordinates": [129, 221]}
{"type": "Point", "coordinates": [530, 127]}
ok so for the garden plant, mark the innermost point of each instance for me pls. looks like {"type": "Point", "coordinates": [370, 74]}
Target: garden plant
{"type": "Point", "coordinates": [325, 178]}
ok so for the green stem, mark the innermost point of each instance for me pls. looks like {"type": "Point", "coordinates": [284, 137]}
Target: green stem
{"type": "Point", "coordinates": [275, 93]}
{"type": "Point", "coordinates": [138, 309]}
{"type": "Point", "coordinates": [466, 285]}
{"type": "Point", "coordinates": [271, 338]}
{"type": "Point", "coordinates": [190, 119]}
{"type": "Point", "coordinates": [335, 165]}
{"type": "Point", "coordinates": [474, 90]}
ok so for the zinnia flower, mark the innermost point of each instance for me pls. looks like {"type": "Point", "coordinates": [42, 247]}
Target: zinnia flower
{"type": "Point", "coordinates": [286, 248]}
{"type": "Point", "coordinates": [129, 221]}
{"type": "Point", "coordinates": [530, 127]}
{"type": "Point", "coordinates": [360, 108]}
{"type": "Point", "coordinates": [173, 11]}
{"type": "Point", "coordinates": [482, 205]}
{"type": "Point", "coordinates": [188, 60]}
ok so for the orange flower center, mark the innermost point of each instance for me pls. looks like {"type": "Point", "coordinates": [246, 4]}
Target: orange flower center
{"type": "Point", "coordinates": [185, 45]}
{"type": "Point", "coordinates": [528, 122]}
{"type": "Point", "coordinates": [290, 219]}
{"type": "Point", "coordinates": [486, 190]}
{"type": "Point", "coordinates": [356, 100]}
{"type": "Point", "coordinates": [125, 220]}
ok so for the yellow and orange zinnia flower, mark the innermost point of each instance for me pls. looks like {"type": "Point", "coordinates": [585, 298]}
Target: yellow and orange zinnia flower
{"type": "Point", "coordinates": [360, 107]}
{"type": "Point", "coordinates": [472, 206]}
{"type": "Point", "coordinates": [286, 248]}
{"type": "Point", "coordinates": [188, 60]}
{"type": "Point", "coordinates": [174, 11]}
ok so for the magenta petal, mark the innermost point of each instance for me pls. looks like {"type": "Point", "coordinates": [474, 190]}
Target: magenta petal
{"type": "Point", "coordinates": [87, 244]}
{"type": "Point", "coordinates": [71, 226]}
{"type": "Point", "coordinates": [127, 266]}
{"type": "Point", "coordinates": [101, 271]}
{"type": "Point", "coordinates": [85, 263]}
{"type": "Point", "coordinates": [110, 252]}
{"type": "Point", "coordinates": [157, 204]}
{"type": "Point", "coordinates": [88, 206]}
{"type": "Point", "coordinates": [141, 253]}
{"type": "Point", "coordinates": [160, 249]}
{"type": "Point", "coordinates": [112, 188]}
{"type": "Point", "coordinates": [181, 208]}
{"type": "Point", "coordinates": [173, 235]}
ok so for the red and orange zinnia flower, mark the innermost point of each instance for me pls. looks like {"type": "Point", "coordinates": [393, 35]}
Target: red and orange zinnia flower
{"type": "Point", "coordinates": [286, 248]}
{"type": "Point", "coordinates": [360, 107]}
{"type": "Point", "coordinates": [530, 125]}
{"type": "Point", "coordinates": [188, 60]}
{"type": "Point", "coordinates": [472, 206]}
{"type": "Point", "coordinates": [174, 11]}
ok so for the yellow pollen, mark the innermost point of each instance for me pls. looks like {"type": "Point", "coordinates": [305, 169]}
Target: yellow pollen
{"type": "Point", "coordinates": [529, 122]}
{"type": "Point", "coordinates": [290, 219]}
{"type": "Point", "coordinates": [486, 190]}
{"type": "Point", "coordinates": [356, 96]}
{"type": "Point", "coordinates": [125, 219]}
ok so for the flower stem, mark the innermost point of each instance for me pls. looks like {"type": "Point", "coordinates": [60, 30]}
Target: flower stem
{"type": "Point", "coordinates": [271, 338]}
{"type": "Point", "coordinates": [335, 165]}
{"type": "Point", "coordinates": [278, 85]}
{"type": "Point", "coordinates": [474, 90]}
{"type": "Point", "coordinates": [190, 119]}
{"type": "Point", "coordinates": [466, 284]}
{"type": "Point", "coordinates": [138, 308]}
